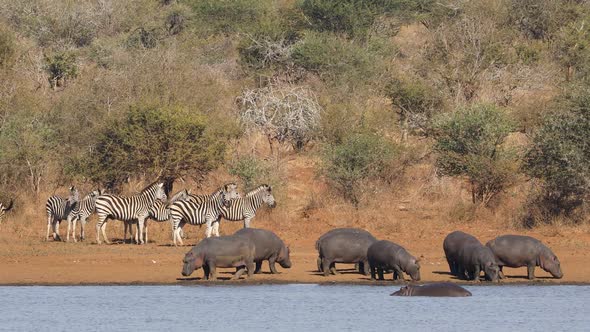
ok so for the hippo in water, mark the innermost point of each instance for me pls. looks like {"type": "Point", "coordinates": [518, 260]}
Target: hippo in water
{"type": "Point", "coordinates": [519, 250]}
{"type": "Point", "coordinates": [436, 289]}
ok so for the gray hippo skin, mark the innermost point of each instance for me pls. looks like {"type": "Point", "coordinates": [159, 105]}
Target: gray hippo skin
{"type": "Point", "coordinates": [268, 247]}
{"type": "Point", "coordinates": [359, 266]}
{"type": "Point", "coordinates": [452, 246]}
{"type": "Point", "coordinates": [386, 255]}
{"type": "Point", "coordinates": [519, 250]}
{"type": "Point", "coordinates": [474, 258]}
{"type": "Point", "coordinates": [223, 251]}
{"type": "Point", "coordinates": [344, 247]}
{"type": "Point", "coordinates": [438, 289]}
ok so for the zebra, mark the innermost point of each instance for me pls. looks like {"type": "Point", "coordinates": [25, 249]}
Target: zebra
{"type": "Point", "coordinates": [244, 208]}
{"type": "Point", "coordinates": [206, 212]}
{"type": "Point", "coordinates": [59, 209]}
{"type": "Point", "coordinates": [82, 212]}
{"type": "Point", "coordinates": [127, 208]}
{"type": "Point", "coordinates": [4, 209]}
{"type": "Point", "coordinates": [159, 212]}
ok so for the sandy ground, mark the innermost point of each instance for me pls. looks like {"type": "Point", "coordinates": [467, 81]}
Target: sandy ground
{"type": "Point", "coordinates": [302, 215]}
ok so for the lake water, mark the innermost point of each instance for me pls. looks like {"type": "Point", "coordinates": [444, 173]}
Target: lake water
{"type": "Point", "coordinates": [296, 307]}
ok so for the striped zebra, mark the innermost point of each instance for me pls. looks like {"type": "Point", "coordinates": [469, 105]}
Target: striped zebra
{"type": "Point", "coordinates": [159, 212]}
{"type": "Point", "coordinates": [59, 209]}
{"type": "Point", "coordinates": [206, 211]}
{"type": "Point", "coordinates": [82, 212]}
{"type": "Point", "coordinates": [4, 209]}
{"type": "Point", "coordinates": [244, 208]}
{"type": "Point", "coordinates": [127, 208]}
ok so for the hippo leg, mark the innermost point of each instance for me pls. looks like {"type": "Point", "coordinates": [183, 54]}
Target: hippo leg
{"type": "Point", "coordinates": [319, 262]}
{"type": "Point", "coordinates": [333, 269]}
{"type": "Point", "coordinates": [476, 273]}
{"type": "Point", "coordinates": [501, 273]}
{"type": "Point", "coordinates": [239, 273]}
{"type": "Point", "coordinates": [372, 268]}
{"type": "Point", "coordinates": [326, 266]}
{"type": "Point", "coordinates": [212, 271]}
{"type": "Point", "coordinates": [364, 266]}
{"type": "Point", "coordinates": [259, 267]}
{"type": "Point", "coordinates": [531, 271]}
{"type": "Point", "coordinates": [397, 273]}
{"type": "Point", "coordinates": [271, 265]}
{"type": "Point", "coordinates": [380, 273]}
{"type": "Point", "coordinates": [250, 267]}
{"type": "Point", "coordinates": [206, 272]}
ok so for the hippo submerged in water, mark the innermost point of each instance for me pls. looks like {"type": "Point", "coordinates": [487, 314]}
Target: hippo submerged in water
{"type": "Point", "coordinates": [437, 289]}
{"type": "Point", "coordinates": [519, 250]}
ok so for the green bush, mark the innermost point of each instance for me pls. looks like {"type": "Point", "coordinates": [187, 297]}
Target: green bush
{"type": "Point", "coordinates": [60, 67]}
{"type": "Point", "coordinates": [415, 103]}
{"type": "Point", "coordinates": [359, 157]}
{"type": "Point", "coordinates": [227, 16]}
{"type": "Point", "coordinates": [469, 142]}
{"type": "Point", "coordinates": [251, 170]}
{"type": "Point", "coordinates": [153, 141]}
{"type": "Point", "coordinates": [559, 154]}
{"type": "Point", "coordinates": [334, 59]}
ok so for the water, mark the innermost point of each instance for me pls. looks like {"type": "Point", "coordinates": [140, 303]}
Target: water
{"type": "Point", "coordinates": [290, 308]}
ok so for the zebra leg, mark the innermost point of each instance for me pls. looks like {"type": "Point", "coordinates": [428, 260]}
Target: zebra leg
{"type": "Point", "coordinates": [216, 228]}
{"type": "Point", "coordinates": [98, 227]}
{"type": "Point", "coordinates": [74, 221]}
{"type": "Point", "coordinates": [247, 222]}
{"type": "Point", "coordinates": [208, 231]}
{"type": "Point", "coordinates": [104, 233]}
{"type": "Point", "coordinates": [56, 236]}
{"type": "Point", "coordinates": [145, 231]}
{"type": "Point", "coordinates": [49, 223]}
{"type": "Point", "coordinates": [69, 228]}
{"type": "Point", "coordinates": [140, 223]}
{"type": "Point", "coordinates": [82, 226]}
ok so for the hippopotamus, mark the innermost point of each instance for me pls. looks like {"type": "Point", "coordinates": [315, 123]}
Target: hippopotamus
{"type": "Point", "coordinates": [344, 246]}
{"type": "Point", "coordinates": [435, 289]}
{"type": "Point", "coordinates": [385, 255]}
{"type": "Point", "coordinates": [268, 247]}
{"type": "Point", "coordinates": [519, 250]}
{"type": "Point", "coordinates": [358, 266]}
{"type": "Point", "coordinates": [452, 245]}
{"type": "Point", "coordinates": [474, 258]}
{"type": "Point", "coordinates": [223, 251]}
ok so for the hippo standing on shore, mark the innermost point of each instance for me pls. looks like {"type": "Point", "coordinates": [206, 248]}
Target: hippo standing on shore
{"type": "Point", "coordinates": [519, 250]}
{"type": "Point", "coordinates": [386, 255]}
{"type": "Point", "coordinates": [474, 258]}
{"type": "Point", "coordinates": [438, 289]}
{"type": "Point", "coordinates": [268, 247]}
{"type": "Point", "coordinates": [452, 246]}
{"type": "Point", "coordinates": [343, 246]}
{"type": "Point", "coordinates": [223, 251]}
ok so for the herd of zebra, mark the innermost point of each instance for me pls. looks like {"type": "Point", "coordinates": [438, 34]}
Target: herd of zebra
{"type": "Point", "coordinates": [153, 203]}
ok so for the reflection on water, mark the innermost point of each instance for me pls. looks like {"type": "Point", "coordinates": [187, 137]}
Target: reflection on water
{"type": "Point", "coordinates": [290, 308]}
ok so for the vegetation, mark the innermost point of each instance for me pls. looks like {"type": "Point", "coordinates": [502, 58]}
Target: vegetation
{"type": "Point", "coordinates": [105, 91]}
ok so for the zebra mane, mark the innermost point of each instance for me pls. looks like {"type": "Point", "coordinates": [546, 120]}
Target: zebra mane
{"type": "Point", "coordinates": [183, 194]}
{"type": "Point", "coordinates": [258, 189]}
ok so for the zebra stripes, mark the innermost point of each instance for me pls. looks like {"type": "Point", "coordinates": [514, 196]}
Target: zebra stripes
{"type": "Point", "coordinates": [244, 208]}
{"type": "Point", "coordinates": [207, 211]}
{"type": "Point", "coordinates": [127, 208]}
{"type": "Point", "coordinates": [59, 209]}
{"type": "Point", "coordinates": [4, 209]}
{"type": "Point", "coordinates": [81, 212]}
{"type": "Point", "coordinates": [159, 212]}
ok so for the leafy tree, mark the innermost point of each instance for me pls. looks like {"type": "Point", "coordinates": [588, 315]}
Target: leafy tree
{"type": "Point", "coordinates": [469, 142]}
{"type": "Point", "coordinates": [251, 170]}
{"type": "Point", "coordinates": [156, 142]}
{"type": "Point", "coordinates": [360, 157]}
{"type": "Point", "coordinates": [559, 154]}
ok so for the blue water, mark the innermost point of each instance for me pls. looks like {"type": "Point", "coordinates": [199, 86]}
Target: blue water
{"type": "Point", "coordinates": [290, 308]}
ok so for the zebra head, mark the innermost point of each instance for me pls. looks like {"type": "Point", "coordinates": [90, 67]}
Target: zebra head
{"type": "Point", "coordinates": [5, 208]}
{"type": "Point", "coordinates": [267, 196]}
{"type": "Point", "coordinates": [160, 192]}
{"type": "Point", "coordinates": [231, 191]}
{"type": "Point", "coordinates": [74, 195]}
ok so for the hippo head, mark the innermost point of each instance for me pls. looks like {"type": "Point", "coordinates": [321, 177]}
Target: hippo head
{"type": "Point", "coordinates": [413, 269]}
{"type": "Point", "coordinates": [191, 262]}
{"type": "Point", "coordinates": [404, 291]}
{"type": "Point", "coordinates": [492, 271]}
{"type": "Point", "coordinates": [284, 259]}
{"type": "Point", "coordinates": [550, 263]}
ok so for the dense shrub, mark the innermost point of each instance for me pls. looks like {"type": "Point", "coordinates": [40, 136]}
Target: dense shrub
{"type": "Point", "coordinates": [251, 170]}
{"type": "Point", "coordinates": [416, 104]}
{"type": "Point", "coordinates": [60, 67]}
{"type": "Point", "coordinates": [153, 141]}
{"type": "Point", "coordinates": [469, 142]}
{"type": "Point", "coordinates": [359, 157]}
{"type": "Point", "coordinates": [229, 16]}
{"type": "Point", "coordinates": [559, 155]}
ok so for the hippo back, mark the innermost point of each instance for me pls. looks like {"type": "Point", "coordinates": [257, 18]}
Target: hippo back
{"type": "Point", "coordinates": [339, 231]}
{"type": "Point", "coordinates": [346, 247]}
